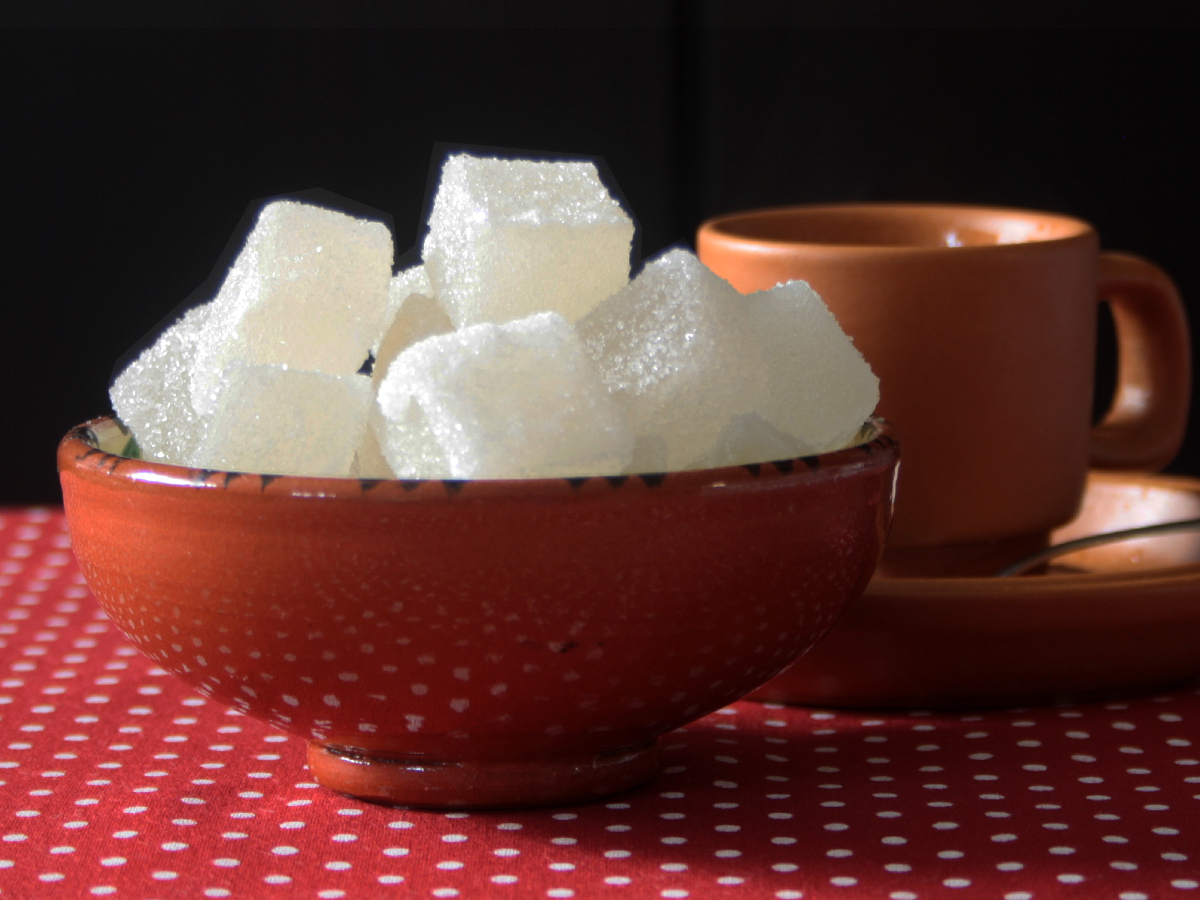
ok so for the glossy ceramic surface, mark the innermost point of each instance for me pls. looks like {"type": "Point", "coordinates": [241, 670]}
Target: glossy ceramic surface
{"type": "Point", "coordinates": [480, 643]}
{"type": "Point", "coordinates": [981, 325]}
{"type": "Point", "coordinates": [1100, 622]}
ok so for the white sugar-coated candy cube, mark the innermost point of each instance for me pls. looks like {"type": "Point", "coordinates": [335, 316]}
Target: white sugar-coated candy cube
{"type": "Point", "coordinates": [411, 448]}
{"type": "Point", "coordinates": [369, 461]}
{"type": "Point", "coordinates": [286, 422]}
{"type": "Point", "coordinates": [307, 291]}
{"type": "Point", "coordinates": [649, 455]}
{"type": "Point", "coordinates": [153, 398]}
{"type": "Point", "coordinates": [403, 284]}
{"type": "Point", "coordinates": [417, 318]}
{"type": "Point", "coordinates": [820, 389]}
{"type": "Point", "coordinates": [750, 438]}
{"type": "Point", "coordinates": [675, 349]}
{"type": "Point", "coordinates": [514, 401]}
{"type": "Point", "coordinates": [510, 238]}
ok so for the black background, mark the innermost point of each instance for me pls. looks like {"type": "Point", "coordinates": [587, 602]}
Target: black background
{"type": "Point", "coordinates": [128, 155]}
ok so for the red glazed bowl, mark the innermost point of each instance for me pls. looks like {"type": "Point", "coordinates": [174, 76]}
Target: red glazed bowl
{"type": "Point", "coordinates": [476, 643]}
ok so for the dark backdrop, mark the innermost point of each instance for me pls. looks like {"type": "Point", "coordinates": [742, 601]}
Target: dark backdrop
{"type": "Point", "coordinates": [128, 156]}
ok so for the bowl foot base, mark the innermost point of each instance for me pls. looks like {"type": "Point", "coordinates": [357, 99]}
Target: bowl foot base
{"type": "Point", "coordinates": [481, 784]}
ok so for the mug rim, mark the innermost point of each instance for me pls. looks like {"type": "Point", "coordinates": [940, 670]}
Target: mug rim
{"type": "Point", "coordinates": [725, 227]}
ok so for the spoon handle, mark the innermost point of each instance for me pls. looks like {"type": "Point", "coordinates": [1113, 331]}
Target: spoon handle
{"type": "Point", "coordinates": [1022, 566]}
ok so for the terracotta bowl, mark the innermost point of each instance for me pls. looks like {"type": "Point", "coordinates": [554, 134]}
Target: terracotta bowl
{"type": "Point", "coordinates": [476, 643]}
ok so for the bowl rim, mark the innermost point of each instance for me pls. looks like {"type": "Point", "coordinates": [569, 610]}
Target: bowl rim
{"type": "Point", "coordinates": [728, 229]}
{"type": "Point", "coordinates": [87, 450]}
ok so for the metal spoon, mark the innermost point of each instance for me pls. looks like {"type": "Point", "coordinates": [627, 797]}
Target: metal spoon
{"type": "Point", "coordinates": [1022, 566]}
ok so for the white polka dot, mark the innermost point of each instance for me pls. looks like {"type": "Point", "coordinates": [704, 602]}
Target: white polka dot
{"type": "Point", "coordinates": [956, 882]}
{"type": "Point", "coordinates": [1070, 878]}
{"type": "Point", "coordinates": [843, 881]}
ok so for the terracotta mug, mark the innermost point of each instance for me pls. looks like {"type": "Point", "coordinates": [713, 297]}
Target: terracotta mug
{"type": "Point", "coordinates": [981, 325]}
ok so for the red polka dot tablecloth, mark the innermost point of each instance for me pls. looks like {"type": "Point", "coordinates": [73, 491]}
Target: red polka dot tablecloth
{"type": "Point", "coordinates": [118, 781]}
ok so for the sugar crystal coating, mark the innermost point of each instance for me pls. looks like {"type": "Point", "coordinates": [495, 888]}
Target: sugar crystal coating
{"type": "Point", "coordinates": [284, 421]}
{"type": "Point", "coordinates": [675, 349]}
{"type": "Point", "coordinates": [820, 389]}
{"type": "Point", "coordinates": [513, 401]}
{"type": "Point", "coordinates": [307, 291]}
{"type": "Point", "coordinates": [409, 445]}
{"type": "Point", "coordinates": [152, 394]}
{"type": "Point", "coordinates": [509, 238]}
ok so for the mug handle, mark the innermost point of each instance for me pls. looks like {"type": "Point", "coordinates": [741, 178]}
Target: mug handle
{"type": "Point", "coordinates": [1144, 427]}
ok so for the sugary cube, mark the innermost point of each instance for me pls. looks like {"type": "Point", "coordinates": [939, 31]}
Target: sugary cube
{"type": "Point", "coordinates": [501, 401]}
{"type": "Point", "coordinates": [820, 390]}
{"type": "Point", "coordinates": [675, 349]}
{"type": "Point", "coordinates": [307, 291]}
{"type": "Point", "coordinates": [404, 283]}
{"type": "Point", "coordinates": [509, 238]}
{"type": "Point", "coordinates": [152, 394]}
{"type": "Point", "coordinates": [750, 438]}
{"type": "Point", "coordinates": [369, 461]}
{"type": "Point", "coordinates": [284, 421]}
{"type": "Point", "coordinates": [649, 455]}
{"type": "Point", "coordinates": [417, 318]}
{"type": "Point", "coordinates": [410, 447]}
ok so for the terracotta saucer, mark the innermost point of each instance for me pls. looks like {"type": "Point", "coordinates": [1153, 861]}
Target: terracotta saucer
{"type": "Point", "coordinates": [1101, 622]}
